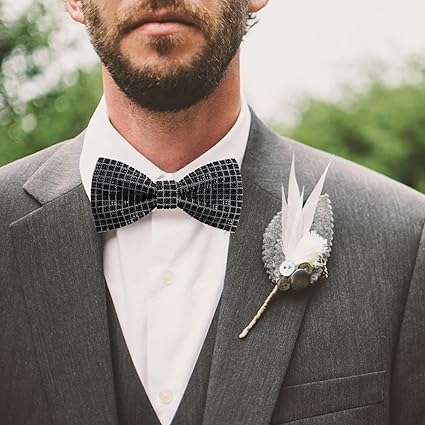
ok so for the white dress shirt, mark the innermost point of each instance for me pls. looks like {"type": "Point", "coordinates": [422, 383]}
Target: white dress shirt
{"type": "Point", "coordinates": [165, 273]}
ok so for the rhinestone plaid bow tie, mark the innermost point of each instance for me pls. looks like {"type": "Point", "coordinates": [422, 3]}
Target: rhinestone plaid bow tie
{"type": "Point", "coordinates": [121, 195]}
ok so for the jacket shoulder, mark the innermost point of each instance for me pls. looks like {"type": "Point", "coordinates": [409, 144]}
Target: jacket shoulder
{"type": "Point", "coordinates": [14, 201]}
{"type": "Point", "coordinates": [19, 171]}
{"type": "Point", "coordinates": [354, 185]}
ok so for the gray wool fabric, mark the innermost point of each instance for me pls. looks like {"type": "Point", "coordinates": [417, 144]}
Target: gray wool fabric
{"type": "Point", "coordinates": [349, 351]}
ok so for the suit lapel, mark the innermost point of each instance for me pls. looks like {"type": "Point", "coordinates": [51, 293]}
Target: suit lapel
{"type": "Point", "coordinates": [59, 258]}
{"type": "Point", "coordinates": [246, 375]}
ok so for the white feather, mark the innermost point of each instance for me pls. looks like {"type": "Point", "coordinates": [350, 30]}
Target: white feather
{"type": "Point", "coordinates": [284, 215]}
{"type": "Point", "coordinates": [299, 245]}
{"type": "Point", "coordinates": [309, 249]}
{"type": "Point", "coordinates": [300, 217]}
{"type": "Point", "coordinates": [294, 208]}
{"type": "Point", "coordinates": [311, 204]}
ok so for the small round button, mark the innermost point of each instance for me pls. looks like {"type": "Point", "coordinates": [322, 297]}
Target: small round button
{"type": "Point", "coordinates": [167, 277]}
{"type": "Point", "coordinates": [287, 268]}
{"type": "Point", "coordinates": [300, 280]}
{"type": "Point", "coordinates": [307, 267]}
{"type": "Point", "coordinates": [283, 284]}
{"type": "Point", "coordinates": [166, 396]}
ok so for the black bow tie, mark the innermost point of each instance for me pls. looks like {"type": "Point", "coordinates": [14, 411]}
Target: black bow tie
{"type": "Point", "coordinates": [121, 195]}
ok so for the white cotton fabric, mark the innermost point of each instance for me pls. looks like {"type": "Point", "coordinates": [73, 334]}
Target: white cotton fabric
{"type": "Point", "coordinates": [165, 273]}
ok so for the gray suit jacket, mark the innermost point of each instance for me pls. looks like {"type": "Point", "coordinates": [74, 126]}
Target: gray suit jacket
{"type": "Point", "coordinates": [350, 351]}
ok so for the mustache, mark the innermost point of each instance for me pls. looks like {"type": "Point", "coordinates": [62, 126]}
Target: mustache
{"type": "Point", "coordinates": [129, 17]}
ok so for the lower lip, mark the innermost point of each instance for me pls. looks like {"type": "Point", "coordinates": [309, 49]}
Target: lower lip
{"type": "Point", "coordinates": [163, 28]}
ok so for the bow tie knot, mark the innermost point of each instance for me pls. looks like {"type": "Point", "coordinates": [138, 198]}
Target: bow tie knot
{"type": "Point", "coordinates": [167, 194]}
{"type": "Point", "coordinates": [121, 195]}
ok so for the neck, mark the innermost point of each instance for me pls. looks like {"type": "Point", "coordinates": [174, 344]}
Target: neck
{"type": "Point", "coordinates": [173, 140]}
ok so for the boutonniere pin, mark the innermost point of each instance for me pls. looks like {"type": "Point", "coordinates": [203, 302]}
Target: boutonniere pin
{"type": "Point", "coordinates": [297, 242]}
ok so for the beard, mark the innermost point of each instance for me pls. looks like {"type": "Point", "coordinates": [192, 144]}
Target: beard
{"type": "Point", "coordinates": [184, 83]}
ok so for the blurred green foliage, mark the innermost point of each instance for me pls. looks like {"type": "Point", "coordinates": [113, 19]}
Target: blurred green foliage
{"type": "Point", "coordinates": [30, 123]}
{"type": "Point", "coordinates": [58, 115]}
{"type": "Point", "coordinates": [382, 126]}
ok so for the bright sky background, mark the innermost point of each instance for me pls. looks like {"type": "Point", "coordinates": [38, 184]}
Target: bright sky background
{"type": "Point", "coordinates": [311, 47]}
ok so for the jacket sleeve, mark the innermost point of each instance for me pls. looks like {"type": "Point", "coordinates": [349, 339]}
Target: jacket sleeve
{"type": "Point", "coordinates": [408, 372]}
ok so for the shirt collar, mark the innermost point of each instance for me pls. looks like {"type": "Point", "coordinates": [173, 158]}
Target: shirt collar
{"type": "Point", "coordinates": [103, 140]}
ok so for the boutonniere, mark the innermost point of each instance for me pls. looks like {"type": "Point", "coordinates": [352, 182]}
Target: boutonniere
{"type": "Point", "coordinates": [297, 242]}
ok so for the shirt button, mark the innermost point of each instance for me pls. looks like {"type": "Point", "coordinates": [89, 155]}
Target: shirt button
{"type": "Point", "coordinates": [167, 277]}
{"type": "Point", "coordinates": [166, 396]}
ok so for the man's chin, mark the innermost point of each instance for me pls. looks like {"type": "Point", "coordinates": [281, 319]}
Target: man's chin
{"type": "Point", "coordinates": [157, 70]}
{"type": "Point", "coordinates": [161, 64]}
{"type": "Point", "coordinates": [162, 89]}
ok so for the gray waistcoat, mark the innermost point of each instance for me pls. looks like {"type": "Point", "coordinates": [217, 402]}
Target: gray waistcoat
{"type": "Point", "coordinates": [133, 405]}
